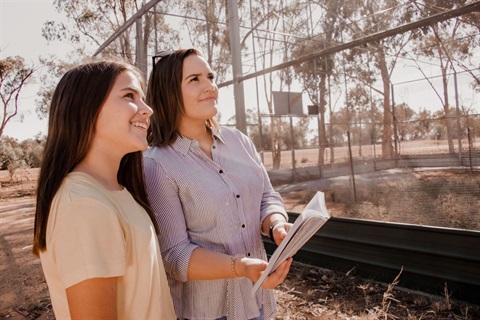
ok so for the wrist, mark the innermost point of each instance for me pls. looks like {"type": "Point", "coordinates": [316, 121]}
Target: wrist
{"type": "Point", "coordinates": [272, 226]}
{"type": "Point", "coordinates": [235, 260]}
{"type": "Point", "coordinates": [269, 220]}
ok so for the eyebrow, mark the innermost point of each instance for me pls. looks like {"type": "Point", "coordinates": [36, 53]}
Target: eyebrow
{"type": "Point", "coordinates": [139, 92]}
{"type": "Point", "coordinates": [130, 89]}
{"type": "Point", "coordinates": [199, 74]}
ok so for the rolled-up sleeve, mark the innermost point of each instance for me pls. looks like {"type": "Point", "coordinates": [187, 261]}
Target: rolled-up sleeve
{"type": "Point", "coordinates": [271, 201]}
{"type": "Point", "coordinates": [175, 245]}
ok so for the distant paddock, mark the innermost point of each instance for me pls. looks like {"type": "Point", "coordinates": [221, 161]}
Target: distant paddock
{"type": "Point", "coordinates": [309, 157]}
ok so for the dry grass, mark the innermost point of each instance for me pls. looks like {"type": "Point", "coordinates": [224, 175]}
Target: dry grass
{"type": "Point", "coordinates": [434, 198]}
{"type": "Point", "coordinates": [314, 293]}
{"type": "Point", "coordinates": [437, 198]}
{"type": "Point", "coordinates": [309, 157]}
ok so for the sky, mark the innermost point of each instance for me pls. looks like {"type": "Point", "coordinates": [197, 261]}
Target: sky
{"type": "Point", "coordinates": [21, 23]}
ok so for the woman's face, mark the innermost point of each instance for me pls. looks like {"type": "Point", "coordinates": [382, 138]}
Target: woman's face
{"type": "Point", "coordinates": [199, 91]}
{"type": "Point", "coordinates": [124, 118]}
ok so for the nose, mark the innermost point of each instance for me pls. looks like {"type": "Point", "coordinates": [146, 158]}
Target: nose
{"type": "Point", "coordinates": [144, 109]}
{"type": "Point", "coordinates": [211, 87]}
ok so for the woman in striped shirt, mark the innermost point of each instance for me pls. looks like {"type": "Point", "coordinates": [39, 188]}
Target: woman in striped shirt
{"type": "Point", "coordinates": [211, 195]}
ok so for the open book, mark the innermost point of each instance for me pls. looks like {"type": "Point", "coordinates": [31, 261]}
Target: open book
{"type": "Point", "coordinates": [312, 218]}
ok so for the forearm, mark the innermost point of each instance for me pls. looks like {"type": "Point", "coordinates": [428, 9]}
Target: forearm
{"type": "Point", "coordinates": [210, 265]}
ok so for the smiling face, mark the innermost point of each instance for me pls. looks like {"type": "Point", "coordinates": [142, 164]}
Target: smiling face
{"type": "Point", "coordinates": [199, 91]}
{"type": "Point", "coordinates": [123, 119]}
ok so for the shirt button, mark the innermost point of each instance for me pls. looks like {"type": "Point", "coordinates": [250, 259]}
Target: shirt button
{"type": "Point", "coordinates": [221, 171]}
{"type": "Point", "coordinates": [213, 147]}
{"type": "Point", "coordinates": [248, 254]}
{"type": "Point", "coordinates": [238, 196]}
{"type": "Point", "coordinates": [243, 226]}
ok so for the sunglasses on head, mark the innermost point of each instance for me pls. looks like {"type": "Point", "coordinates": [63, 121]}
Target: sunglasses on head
{"type": "Point", "coordinates": [159, 55]}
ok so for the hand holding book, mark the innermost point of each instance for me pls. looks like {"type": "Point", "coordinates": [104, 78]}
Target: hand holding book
{"type": "Point", "coordinates": [312, 218]}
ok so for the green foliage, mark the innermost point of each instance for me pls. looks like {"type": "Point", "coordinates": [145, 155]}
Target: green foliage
{"type": "Point", "coordinates": [207, 32]}
{"type": "Point", "coordinates": [89, 24]}
{"type": "Point", "coordinates": [14, 74]}
{"type": "Point", "coordinates": [301, 132]}
{"type": "Point", "coordinates": [15, 154]}
{"type": "Point", "coordinates": [55, 68]}
{"type": "Point", "coordinates": [285, 31]}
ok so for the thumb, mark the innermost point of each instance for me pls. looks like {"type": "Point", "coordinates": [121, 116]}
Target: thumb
{"type": "Point", "coordinates": [282, 231]}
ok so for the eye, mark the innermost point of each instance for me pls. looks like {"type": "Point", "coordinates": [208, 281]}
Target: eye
{"type": "Point", "coordinates": [193, 79]}
{"type": "Point", "coordinates": [130, 95]}
{"type": "Point", "coordinates": [211, 77]}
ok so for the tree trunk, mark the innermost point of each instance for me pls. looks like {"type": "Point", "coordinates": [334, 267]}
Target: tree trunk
{"type": "Point", "coordinates": [446, 110]}
{"type": "Point", "coordinates": [275, 127]}
{"type": "Point", "coordinates": [445, 95]}
{"type": "Point", "coordinates": [332, 149]}
{"type": "Point", "coordinates": [322, 140]}
{"type": "Point", "coordinates": [330, 125]}
{"type": "Point", "coordinates": [387, 146]}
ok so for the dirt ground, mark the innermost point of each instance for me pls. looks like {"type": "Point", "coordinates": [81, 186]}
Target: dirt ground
{"type": "Point", "coordinates": [308, 292]}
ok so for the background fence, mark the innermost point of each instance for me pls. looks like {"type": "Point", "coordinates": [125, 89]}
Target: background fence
{"type": "Point", "coordinates": [413, 138]}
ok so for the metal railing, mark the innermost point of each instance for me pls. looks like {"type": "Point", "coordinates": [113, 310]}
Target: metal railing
{"type": "Point", "coordinates": [432, 258]}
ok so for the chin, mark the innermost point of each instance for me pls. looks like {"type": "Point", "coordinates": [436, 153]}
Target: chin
{"type": "Point", "coordinates": [214, 112]}
{"type": "Point", "coordinates": [142, 146]}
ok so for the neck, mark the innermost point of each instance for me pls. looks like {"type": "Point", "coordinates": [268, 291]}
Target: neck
{"type": "Point", "coordinates": [198, 131]}
{"type": "Point", "coordinates": [103, 168]}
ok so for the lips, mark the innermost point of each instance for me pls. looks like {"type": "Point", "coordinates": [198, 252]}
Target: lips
{"type": "Point", "coordinates": [139, 124]}
{"type": "Point", "coordinates": [211, 98]}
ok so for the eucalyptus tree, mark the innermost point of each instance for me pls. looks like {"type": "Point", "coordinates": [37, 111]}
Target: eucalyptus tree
{"type": "Point", "coordinates": [53, 69]}
{"type": "Point", "coordinates": [205, 23]}
{"type": "Point", "coordinates": [367, 17]}
{"type": "Point", "coordinates": [422, 123]}
{"type": "Point", "coordinates": [267, 33]}
{"type": "Point", "coordinates": [361, 116]}
{"type": "Point", "coordinates": [451, 44]}
{"type": "Point", "coordinates": [321, 19]}
{"type": "Point", "coordinates": [14, 75]}
{"type": "Point", "coordinates": [404, 118]}
{"type": "Point", "coordinates": [89, 24]}
{"type": "Point", "coordinates": [340, 126]}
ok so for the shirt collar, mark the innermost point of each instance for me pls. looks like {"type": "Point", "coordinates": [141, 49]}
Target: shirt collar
{"type": "Point", "coordinates": [183, 144]}
{"type": "Point", "coordinates": [217, 135]}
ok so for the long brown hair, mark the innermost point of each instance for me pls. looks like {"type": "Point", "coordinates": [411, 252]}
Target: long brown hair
{"type": "Point", "coordinates": [164, 96]}
{"type": "Point", "coordinates": [74, 109]}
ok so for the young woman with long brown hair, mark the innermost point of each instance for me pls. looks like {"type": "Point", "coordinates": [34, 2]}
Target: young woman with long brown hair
{"type": "Point", "coordinates": [94, 230]}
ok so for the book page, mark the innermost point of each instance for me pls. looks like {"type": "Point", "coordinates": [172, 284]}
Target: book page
{"type": "Point", "coordinates": [312, 218]}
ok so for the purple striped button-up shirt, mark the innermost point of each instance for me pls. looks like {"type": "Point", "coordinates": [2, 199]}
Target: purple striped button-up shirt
{"type": "Point", "coordinates": [215, 204]}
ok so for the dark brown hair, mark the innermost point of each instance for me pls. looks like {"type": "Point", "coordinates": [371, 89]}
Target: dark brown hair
{"type": "Point", "coordinates": [74, 109]}
{"type": "Point", "coordinates": [164, 96]}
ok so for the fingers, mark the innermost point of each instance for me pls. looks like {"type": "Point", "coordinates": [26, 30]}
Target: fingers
{"type": "Point", "coordinates": [254, 268]}
{"type": "Point", "coordinates": [278, 276]}
{"type": "Point", "coordinates": [283, 269]}
{"type": "Point", "coordinates": [281, 231]}
{"type": "Point", "coordinates": [287, 226]}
